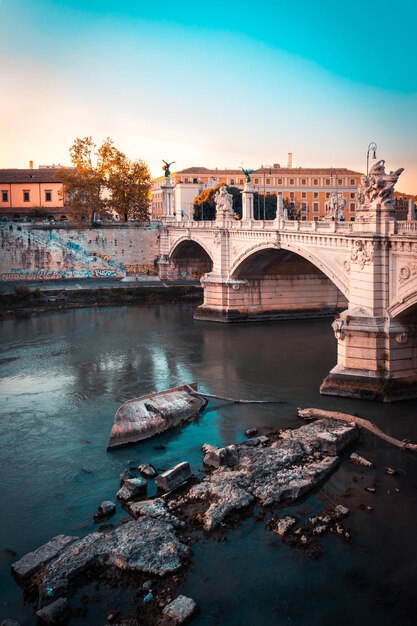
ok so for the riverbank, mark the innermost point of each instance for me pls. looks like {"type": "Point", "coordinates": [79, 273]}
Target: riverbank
{"type": "Point", "coordinates": [23, 302]}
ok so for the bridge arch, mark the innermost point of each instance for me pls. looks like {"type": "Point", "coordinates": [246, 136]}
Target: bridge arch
{"type": "Point", "coordinates": [335, 276]}
{"type": "Point", "coordinates": [404, 305]}
{"type": "Point", "coordinates": [189, 259]}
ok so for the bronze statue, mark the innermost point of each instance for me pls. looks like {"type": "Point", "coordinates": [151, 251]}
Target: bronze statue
{"type": "Point", "coordinates": [166, 168]}
{"type": "Point", "coordinates": [247, 173]}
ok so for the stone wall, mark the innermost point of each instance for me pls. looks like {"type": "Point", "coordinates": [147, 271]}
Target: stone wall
{"type": "Point", "coordinates": [36, 252]}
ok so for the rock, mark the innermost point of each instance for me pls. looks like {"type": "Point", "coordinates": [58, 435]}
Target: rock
{"type": "Point", "coordinates": [341, 511]}
{"type": "Point", "coordinates": [148, 471]}
{"type": "Point", "coordinates": [132, 488]}
{"type": "Point", "coordinates": [220, 457]}
{"type": "Point", "coordinates": [148, 597]}
{"type": "Point", "coordinates": [359, 460]}
{"type": "Point", "coordinates": [390, 471]}
{"type": "Point", "coordinates": [251, 432]}
{"type": "Point", "coordinates": [105, 510]}
{"type": "Point", "coordinates": [370, 489]}
{"type": "Point", "coordinates": [48, 593]}
{"type": "Point", "coordinates": [181, 609]}
{"type": "Point", "coordinates": [284, 524]}
{"type": "Point", "coordinates": [9, 622]}
{"type": "Point", "coordinates": [112, 615]}
{"type": "Point", "coordinates": [146, 545]}
{"type": "Point", "coordinates": [147, 585]}
{"type": "Point", "coordinates": [127, 474]}
{"type": "Point", "coordinates": [257, 441]}
{"type": "Point", "coordinates": [173, 478]}
{"type": "Point", "coordinates": [206, 447]}
{"type": "Point", "coordinates": [28, 565]}
{"type": "Point", "coordinates": [283, 470]}
{"type": "Point", "coordinates": [55, 613]}
{"type": "Point", "coordinates": [156, 508]}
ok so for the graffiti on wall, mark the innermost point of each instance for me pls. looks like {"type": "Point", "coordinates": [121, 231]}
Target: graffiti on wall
{"type": "Point", "coordinates": [132, 270]}
{"type": "Point", "coordinates": [107, 273]}
{"type": "Point", "coordinates": [24, 274]}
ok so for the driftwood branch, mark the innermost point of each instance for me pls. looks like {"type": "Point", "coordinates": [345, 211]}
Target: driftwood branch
{"type": "Point", "coordinates": [345, 417]}
{"type": "Point", "coordinates": [234, 400]}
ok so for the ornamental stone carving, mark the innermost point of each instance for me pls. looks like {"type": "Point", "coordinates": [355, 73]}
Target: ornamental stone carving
{"type": "Point", "coordinates": [401, 337]}
{"type": "Point", "coordinates": [224, 203]}
{"type": "Point", "coordinates": [362, 253]}
{"type": "Point", "coordinates": [407, 271]}
{"type": "Point", "coordinates": [337, 326]}
{"type": "Point", "coordinates": [376, 191]}
{"type": "Point", "coordinates": [335, 207]}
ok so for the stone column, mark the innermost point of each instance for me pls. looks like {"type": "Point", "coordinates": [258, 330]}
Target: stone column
{"type": "Point", "coordinates": [411, 216]}
{"type": "Point", "coordinates": [168, 200]}
{"type": "Point", "coordinates": [247, 202]}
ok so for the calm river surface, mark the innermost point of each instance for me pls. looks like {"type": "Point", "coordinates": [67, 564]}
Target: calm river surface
{"type": "Point", "coordinates": [64, 375]}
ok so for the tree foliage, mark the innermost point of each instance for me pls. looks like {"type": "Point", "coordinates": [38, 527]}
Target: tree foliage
{"type": "Point", "coordinates": [104, 181]}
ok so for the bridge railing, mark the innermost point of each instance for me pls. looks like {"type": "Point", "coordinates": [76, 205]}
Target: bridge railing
{"type": "Point", "coordinates": [406, 227]}
{"type": "Point", "coordinates": [270, 225]}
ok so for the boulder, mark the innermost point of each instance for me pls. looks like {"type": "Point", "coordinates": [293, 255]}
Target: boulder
{"type": "Point", "coordinates": [9, 622]}
{"type": "Point", "coordinates": [221, 457]}
{"type": "Point", "coordinates": [284, 524]}
{"type": "Point", "coordinates": [148, 471]}
{"type": "Point", "coordinates": [28, 565]}
{"type": "Point", "coordinates": [50, 592]}
{"type": "Point", "coordinates": [56, 613]}
{"type": "Point", "coordinates": [127, 474]}
{"type": "Point", "coordinates": [251, 432]}
{"type": "Point", "coordinates": [105, 510]}
{"type": "Point", "coordinates": [181, 609]}
{"type": "Point", "coordinates": [173, 478]}
{"type": "Point", "coordinates": [132, 488]}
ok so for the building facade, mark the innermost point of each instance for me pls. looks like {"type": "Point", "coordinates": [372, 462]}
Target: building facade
{"type": "Point", "coordinates": [307, 188]}
{"type": "Point", "coordinates": [27, 192]}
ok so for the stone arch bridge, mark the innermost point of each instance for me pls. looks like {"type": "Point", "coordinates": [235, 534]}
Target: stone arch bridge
{"type": "Point", "coordinates": [363, 273]}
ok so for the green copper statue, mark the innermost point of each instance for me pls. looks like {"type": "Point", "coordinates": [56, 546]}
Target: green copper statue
{"type": "Point", "coordinates": [166, 168]}
{"type": "Point", "coordinates": [247, 173]}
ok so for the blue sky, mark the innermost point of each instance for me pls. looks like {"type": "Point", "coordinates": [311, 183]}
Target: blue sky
{"type": "Point", "coordinates": [216, 84]}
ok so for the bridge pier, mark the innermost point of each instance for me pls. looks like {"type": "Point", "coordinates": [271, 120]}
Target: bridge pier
{"type": "Point", "coordinates": [376, 359]}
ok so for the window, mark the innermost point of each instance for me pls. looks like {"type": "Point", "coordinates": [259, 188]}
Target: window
{"type": "Point", "coordinates": [316, 207]}
{"type": "Point", "coordinates": [268, 181]}
{"type": "Point", "coordinates": [26, 196]}
{"type": "Point", "coordinates": [340, 181]}
{"type": "Point", "coordinates": [304, 218]}
{"type": "Point", "coordinates": [315, 181]}
{"type": "Point", "coordinates": [292, 197]}
{"type": "Point", "coordinates": [279, 182]}
{"type": "Point", "coordinates": [48, 195]}
{"type": "Point", "coordinates": [304, 194]}
{"type": "Point", "coordinates": [352, 219]}
{"type": "Point", "coordinates": [352, 182]}
{"type": "Point", "coordinates": [240, 181]}
{"type": "Point", "coordinates": [327, 195]}
{"type": "Point", "coordinates": [292, 181]}
{"type": "Point", "coordinates": [279, 193]}
{"type": "Point", "coordinates": [256, 181]}
{"type": "Point", "coordinates": [304, 206]}
{"type": "Point", "coordinates": [304, 181]}
{"type": "Point", "coordinates": [195, 180]}
{"type": "Point", "coordinates": [328, 182]}
{"type": "Point", "coordinates": [232, 181]}
{"type": "Point", "coordinates": [5, 196]}
{"type": "Point", "coordinates": [352, 207]}
{"type": "Point", "coordinates": [352, 195]}
{"type": "Point", "coordinates": [316, 195]}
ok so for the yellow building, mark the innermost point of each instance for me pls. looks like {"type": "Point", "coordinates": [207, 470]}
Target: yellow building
{"type": "Point", "coordinates": [307, 188]}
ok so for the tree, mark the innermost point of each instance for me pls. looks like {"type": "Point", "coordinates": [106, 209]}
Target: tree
{"type": "Point", "coordinates": [103, 179]}
{"type": "Point", "coordinates": [205, 206]}
{"type": "Point", "coordinates": [264, 206]}
{"type": "Point", "coordinates": [293, 207]}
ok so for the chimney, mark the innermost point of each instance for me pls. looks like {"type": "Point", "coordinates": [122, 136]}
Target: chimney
{"type": "Point", "coordinates": [290, 159]}
{"type": "Point", "coordinates": [31, 165]}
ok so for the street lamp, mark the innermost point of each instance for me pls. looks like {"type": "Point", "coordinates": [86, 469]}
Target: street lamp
{"type": "Point", "coordinates": [372, 147]}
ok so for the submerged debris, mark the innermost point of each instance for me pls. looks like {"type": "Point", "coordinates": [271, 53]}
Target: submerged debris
{"type": "Point", "coordinates": [180, 609]}
{"type": "Point", "coordinates": [359, 460]}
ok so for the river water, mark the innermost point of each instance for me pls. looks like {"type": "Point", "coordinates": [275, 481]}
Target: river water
{"type": "Point", "coordinates": [64, 375]}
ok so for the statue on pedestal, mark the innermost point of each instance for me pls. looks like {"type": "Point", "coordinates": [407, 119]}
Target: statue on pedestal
{"type": "Point", "coordinates": [335, 206]}
{"type": "Point", "coordinates": [377, 189]}
{"type": "Point", "coordinates": [247, 173]}
{"type": "Point", "coordinates": [224, 203]}
{"type": "Point", "coordinates": [166, 167]}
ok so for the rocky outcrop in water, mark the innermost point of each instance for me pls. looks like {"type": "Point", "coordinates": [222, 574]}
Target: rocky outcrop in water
{"type": "Point", "coordinates": [298, 461]}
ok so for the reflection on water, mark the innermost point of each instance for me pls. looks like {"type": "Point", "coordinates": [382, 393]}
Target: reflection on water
{"type": "Point", "coordinates": [62, 379]}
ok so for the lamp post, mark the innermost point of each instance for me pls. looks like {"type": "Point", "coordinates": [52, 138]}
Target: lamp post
{"type": "Point", "coordinates": [372, 147]}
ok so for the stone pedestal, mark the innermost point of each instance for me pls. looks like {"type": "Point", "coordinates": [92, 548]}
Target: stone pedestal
{"type": "Point", "coordinates": [411, 215]}
{"type": "Point", "coordinates": [247, 202]}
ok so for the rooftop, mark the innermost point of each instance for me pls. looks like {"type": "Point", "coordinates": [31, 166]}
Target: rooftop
{"type": "Point", "coordinates": [43, 175]}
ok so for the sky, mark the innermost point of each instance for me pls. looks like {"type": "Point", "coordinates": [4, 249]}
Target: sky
{"type": "Point", "coordinates": [217, 84]}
